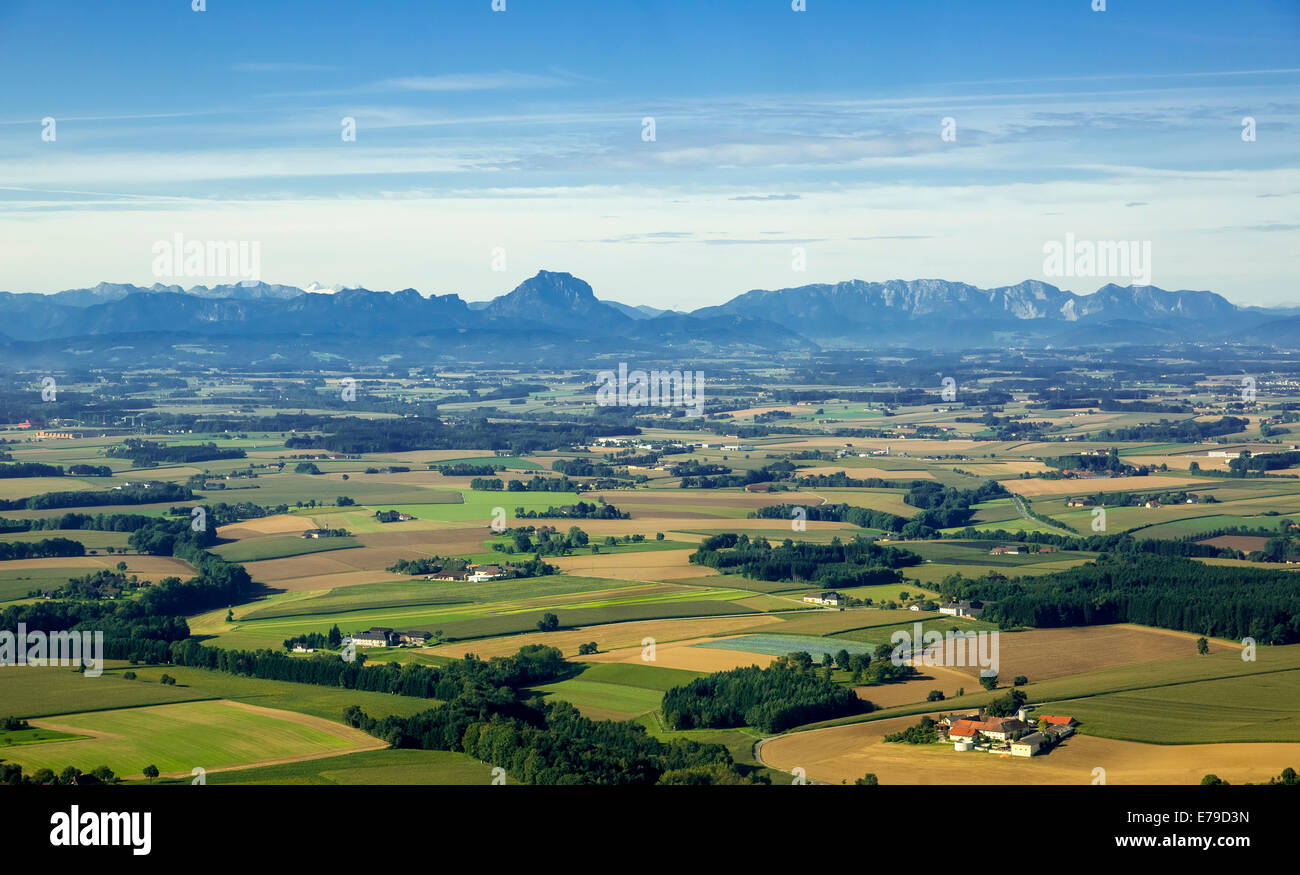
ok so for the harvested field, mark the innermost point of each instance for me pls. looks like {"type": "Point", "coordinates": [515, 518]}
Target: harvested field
{"type": "Point", "coordinates": [151, 567]}
{"type": "Point", "coordinates": [821, 621]}
{"type": "Point", "coordinates": [687, 498]}
{"type": "Point", "coordinates": [867, 473]}
{"type": "Point", "coordinates": [686, 655]}
{"type": "Point", "coordinates": [1040, 654]}
{"type": "Point", "coordinates": [845, 753]}
{"type": "Point", "coordinates": [281, 524]}
{"type": "Point", "coordinates": [1092, 486]}
{"type": "Point", "coordinates": [754, 411]}
{"type": "Point", "coordinates": [320, 580]}
{"type": "Point", "coordinates": [445, 542]}
{"type": "Point", "coordinates": [946, 680]}
{"type": "Point", "coordinates": [1244, 543]}
{"type": "Point", "coordinates": [649, 565]}
{"type": "Point", "coordinates": [623, 639]}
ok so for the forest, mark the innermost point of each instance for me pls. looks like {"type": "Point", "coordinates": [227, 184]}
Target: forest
{"type": "Point", "coordinates": [856, 563]}
{"type": "Point", "coordinates": [1165, 591]}
{"type": "Point", "coordinates": [771, 699]}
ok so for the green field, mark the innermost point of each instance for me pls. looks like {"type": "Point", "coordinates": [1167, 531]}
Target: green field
{"type": "Point", "coordinates": [177, 738]}
{"type": "Point", "coordinates": [33, 736]}
{"type": "Point", "coordinates": [473, 610]}
{"type": "Point", "coordinates": [45, 691]}
{"type": "Point", "coordinates": [38, 691]}
{"type": "Point", "coordinates": [280, 547]}
{"type": "Point", "coordinates": [1263, 707]}
{"type": "Point", "coordinates": [617, 690]}
{"type": "Point", "coordinates": [1074, 693]}
{"type": "Point", "coordinates": [371, 767]}
{"type": "Point", "coordinates": [16, 583]}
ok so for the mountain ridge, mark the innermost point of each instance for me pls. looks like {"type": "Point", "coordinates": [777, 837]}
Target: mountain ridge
{"type": "Point", "coordinates": [558, 304]}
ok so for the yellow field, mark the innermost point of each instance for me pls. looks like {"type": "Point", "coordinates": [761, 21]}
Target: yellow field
{"type": "Point", "coordinates": [682, 654]}
{"type": "Point", "coordinates": [24, 487]}
{"type": "Point", "coordinates": [1040, 654]}
{"type": "Point", "coordinates": [845, 753]}
{"type": "Point", "coordinates": [650, 565]}
{"type": "Point", "coordinates": [620, 641]}
{"type": "Point", "coordinates": [866, 473]}
{"type": "Point", "coordinates": [281, 524]}
{"type": "Point", "coordinates": [754, 411]}
{"type": "Point", "coordinates": [150, 567]}
{"type": "Point", "coordinates": [1033, 488]}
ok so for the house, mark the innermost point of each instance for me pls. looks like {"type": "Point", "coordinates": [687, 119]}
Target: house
{"type": "Point", "coordinates": [825, 598]}
{"type": "Point", "coordinates": [479, 573]}
{"type": "Point", "coordinates": [1083, 501]}
{"type": "Point", "coordinates": [418, 639]}
{"type": "Point", "coordinates": [314, 533]}
{"type": "Point", "coordinates": [302, 648]}
{"type": "Point", "coordinates": [1152, 503]}
{"type": "Point", "coordinates": [962, 609]}
{"type": "Point", "coordinates": [1027, 745]}
{"type": "Point", "coordinates": [1056, 733]}
{"type": "Point", "coordinates": [1009, 550]}
{"type": "Point", "coordinates": [1054, 720]}
{"type": "Point", "coordinates": [996, 728]}
{"type": "Point", "coordinates": [1010, 729]}
{"type": "Point", "coordinates": [373, 637]}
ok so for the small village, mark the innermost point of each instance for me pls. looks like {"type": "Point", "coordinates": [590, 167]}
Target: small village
{"type": "Point", "coordinates": [1020, 736]}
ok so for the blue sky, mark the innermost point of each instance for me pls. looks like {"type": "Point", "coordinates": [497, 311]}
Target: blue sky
{"type": "Point", "coordinates": [521, 132]}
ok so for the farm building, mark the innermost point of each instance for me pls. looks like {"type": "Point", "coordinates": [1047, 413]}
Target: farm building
{"type": "Point", "coordinates": [1055, 720]}
{"type": "Point", "coordinates": [825, 598]}
{"type": "Point", "coordinates": [962, 609]}
{"type": "Point", "coordinates": [1027, 745]}
{"type": "Point", "coordinates": [374, 637]}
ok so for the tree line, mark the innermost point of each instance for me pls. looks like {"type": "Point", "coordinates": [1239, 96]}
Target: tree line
{"type": "Point", "coordinates": [772, 699]}
{"type": "Point", "coordinates": [858, 562]}
{"type": "Point", "coordinates": [85, 498]}
{"type": "Point", "coordinates": [1170, 592]}
{"type": "Point", "coordinates": [143, 453]}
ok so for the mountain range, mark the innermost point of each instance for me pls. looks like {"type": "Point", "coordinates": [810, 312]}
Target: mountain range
{"type": "Point", "coordinates": [555, 308]}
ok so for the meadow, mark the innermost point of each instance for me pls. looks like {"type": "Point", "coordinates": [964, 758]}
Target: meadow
{"type": "Point", "coordinates": [180, 737]}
